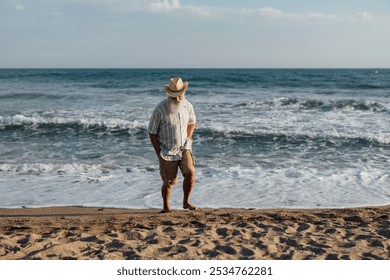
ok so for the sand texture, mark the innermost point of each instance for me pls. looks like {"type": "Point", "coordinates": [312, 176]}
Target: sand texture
{"type": "Point", "coordinates": [92, 233]}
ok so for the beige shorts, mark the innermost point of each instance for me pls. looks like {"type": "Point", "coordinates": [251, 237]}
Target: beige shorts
{"type": "Point", "coordinates": [169, 169]}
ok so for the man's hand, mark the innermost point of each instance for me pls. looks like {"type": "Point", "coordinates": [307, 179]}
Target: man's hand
{"type": "Point", "coordinates": [156, 146]}
{"type": "Point", "coordinates": [190, 130]}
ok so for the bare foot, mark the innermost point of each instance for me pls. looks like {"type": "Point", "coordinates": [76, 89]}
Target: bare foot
{"type": "Point", "coordinates": [166, 211]}
{"type": "Point", "coordinates": [189, 206]}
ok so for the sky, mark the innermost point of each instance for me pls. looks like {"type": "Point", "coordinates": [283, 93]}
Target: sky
{"type": "Point", "coordinates": [194, 34]}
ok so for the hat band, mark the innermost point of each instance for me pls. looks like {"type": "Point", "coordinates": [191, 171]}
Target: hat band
{"type": "Point", "coordinates": [176, 90]}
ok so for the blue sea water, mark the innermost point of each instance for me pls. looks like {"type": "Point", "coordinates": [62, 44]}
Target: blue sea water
{"type": "Point", "coordinates": [265, 138]}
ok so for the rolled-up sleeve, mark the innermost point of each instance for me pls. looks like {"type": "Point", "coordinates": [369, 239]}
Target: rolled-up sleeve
{"type": "Point", "coordinates": [154, 122]}
{"type": "Point", "coordinates": [191, 115]}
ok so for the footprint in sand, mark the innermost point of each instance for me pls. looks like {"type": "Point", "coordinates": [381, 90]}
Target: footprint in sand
{"type": "Point", "coordinates": [262, 226]}
{"type": "Point", "coordinates": [114, 245]}
{"type": "Point", "coordinates": [131, 255]}
{"type": "Point", "coordinates": [376, 243]}
{"type": "Point", "coordinates": [287, 256]}
{"type": "Point", "coordinates": [316, 250]}
{"type": "Point", "coordinates": [174, 249]}
{"type": "Point", "coordinates": [290, 242]}
{"type": "Point", "coordinates": [24, 241]}
{"type": "Point", "coordinates": [318, 245]}
{"type": "Point", "coordinates": [354, 219]}
{"type": "Point", "coordinates": [46, 235]}
{"type": "Point", "coordinates": [348, 235]}
{"type": "Point", "coordinates": [198, 224]}
{"type": "Point", "coordinates": [93, 239]}
{"type": "Point", "coordinates": [363, 237]}
{"type": "Point", "coordinates": [348, 245]}
{"type": "Point", "coordinates": [184, 241]}
{"type": "Point", "coordinates": [258, 234]}
{"type": "Point", "coordinates": [330, 231]}
{"type": "Point", "coordinates": [303, 227]}
{"type": "Point", "coordinates": [153, 241]}
{"type": "Point", "coordinates": [69, 234]}
{"type": "Point", "coordinates": [196, 243]}
{"type": "Point", "coordinates": [222, 231]}
{"type": "Point", "coordinates": [331, 257]}
{"type": "Point", "coordinates": [168, 229]}
{"type": "Point", "coordinates": [226, 249]}
{"type": "Point", "coordinates": [211, 253]}
{"type": "Point", "coordinates": [246, 252]}
{"type": "Point", "coordinates": [384, 233]}
{"type": "Point", "coordinates": [69, 258]}
{"type": "Point", "coordinates": [371, 256]}
{"type": "Point", "coordinates": [278, 229]}
{"type": "Point", "coordinates": [135, 235]}
{"type": "Point", "coordinates": [242, 225]}
{"type": "Point", "coordinates": [225, 232]}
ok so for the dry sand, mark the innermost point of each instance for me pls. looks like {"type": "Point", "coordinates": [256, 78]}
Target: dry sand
{"type": "Point", "coordinates": [92, 233]}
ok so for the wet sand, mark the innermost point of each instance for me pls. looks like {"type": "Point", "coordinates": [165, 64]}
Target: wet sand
{"type": "Point", "coordinates": [101, 233]}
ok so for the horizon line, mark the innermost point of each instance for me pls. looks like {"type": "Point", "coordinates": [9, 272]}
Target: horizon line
{"type": "Point", "coordinates": [194, 68]}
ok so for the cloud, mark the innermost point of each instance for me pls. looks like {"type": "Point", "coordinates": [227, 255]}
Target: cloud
{"type": "Point", "coordinates": [165, 5]}
{"type": "Point", "coordinates": [269, 12]}
{"type": "Point", "coordinates": [365, 16]}
{"type": "Point", "coordinates": [316, 16]}
{"type": "Point", "coordinates": [265, 12]}
{"type": "Point", "coordinates": [226, 12]}
{"type": "Point", "coordinates": [117, 6]}
{"type": "Point", "coordinates": [19, 7]}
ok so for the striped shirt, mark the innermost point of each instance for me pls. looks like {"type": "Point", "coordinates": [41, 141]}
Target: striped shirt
{"type": "Point", "coordinates": [171, 129]}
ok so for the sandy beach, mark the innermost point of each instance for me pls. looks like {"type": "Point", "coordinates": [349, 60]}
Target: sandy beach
{"type": "Point", "coordinates": [92, 233]}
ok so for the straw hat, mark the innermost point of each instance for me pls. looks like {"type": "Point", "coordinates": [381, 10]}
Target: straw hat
{"type": "Point", "coordinates": [176, 87]}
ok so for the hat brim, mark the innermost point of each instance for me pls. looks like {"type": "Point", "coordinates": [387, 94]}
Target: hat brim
{"type": "Point", "coordinates": [175, 93]}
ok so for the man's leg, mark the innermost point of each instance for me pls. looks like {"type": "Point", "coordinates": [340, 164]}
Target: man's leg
{"type": "Point", "coordinates": [166, 195]}
{"type": "Point", "coordinates": [188, 170]}
{"type": "Point", "coordinates": [168, 172]}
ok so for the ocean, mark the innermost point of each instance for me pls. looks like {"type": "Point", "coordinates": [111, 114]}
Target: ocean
{"type": "Point", "coordinates": [265, 138]}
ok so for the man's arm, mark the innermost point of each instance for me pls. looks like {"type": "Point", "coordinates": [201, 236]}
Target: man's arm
{"type": "Point", "coordinates": [190, 130]}
{"type": "Point", "coordinates": [156, 146]}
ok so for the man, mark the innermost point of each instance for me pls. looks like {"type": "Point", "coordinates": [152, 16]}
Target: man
{"type": "Point", "coordinates": [170, 129]}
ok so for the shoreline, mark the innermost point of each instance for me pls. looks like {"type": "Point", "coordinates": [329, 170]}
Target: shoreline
{"type": "Point", "coordinates": [80, 210]}
{"type": "Point", "coordinates": [226, 233]}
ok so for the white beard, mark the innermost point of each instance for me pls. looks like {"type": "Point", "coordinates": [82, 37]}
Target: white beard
{"type": "Point", "coordinates": [175, 107]}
